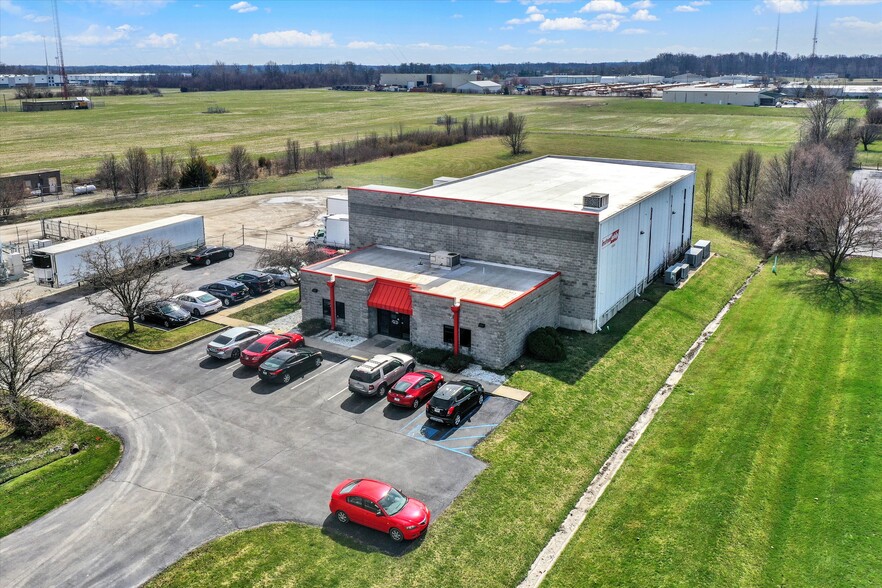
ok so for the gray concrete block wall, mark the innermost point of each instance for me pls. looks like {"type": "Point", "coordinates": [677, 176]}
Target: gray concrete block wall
{"type": "Point", "coordinates": [538, 309]}
{"type": "Point", "coordinates": [353, 294]}
{"type": "Point", "coordinates": [501, 234]}
{"type": "Point", "coordinates": [311, 302]}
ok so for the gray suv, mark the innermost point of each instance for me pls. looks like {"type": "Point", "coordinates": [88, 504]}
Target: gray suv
{"type": "Point", "coordinates": [377, 375]}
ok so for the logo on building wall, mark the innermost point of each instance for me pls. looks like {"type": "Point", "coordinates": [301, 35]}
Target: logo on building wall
{"type": "Point", "coordinates": [610, 239]}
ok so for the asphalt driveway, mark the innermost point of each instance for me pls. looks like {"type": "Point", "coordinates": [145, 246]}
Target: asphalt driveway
{"type": "Point", "coordinates": [209, 449]}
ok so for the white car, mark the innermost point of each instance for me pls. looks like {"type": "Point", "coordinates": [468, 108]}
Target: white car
{"type": "Point", "coordinates": [199, 303]}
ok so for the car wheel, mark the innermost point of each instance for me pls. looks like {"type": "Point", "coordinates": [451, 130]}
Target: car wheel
{"type": "Point", "coordinates": [457, 420]}
{"type": "Point", "coordinates": [396, 535]}
{"type": "Point", "coordinates": [229, 254]}
{"type": "Point", "coordinates": [480, 399]}
{"type": "Point", "coordinates": [196, 313]}
{"type": "Point", "coordinates": [225, 301]}
{"type": "Point", "coordinates": [416, 403]}
{"type": "Point", "coordinates": [166, 324]}
{"type": "Point", "coordinates": [381, 391]}
{"type": "Point", "coordinates": [286, 379]}
{"type": "Point", "coordinates": [342, 517]}
{"type": "Point", "coordinates": [281, 283]}
{"type": "Point", "coordinates": [236, 353]}
{"type": "Point", "coordinates": [207, 261]}
{"type": "Point", "coordinates": [318, 362]}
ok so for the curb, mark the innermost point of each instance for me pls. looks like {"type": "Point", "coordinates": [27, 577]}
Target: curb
{"type": "Point", "coordinates": [89, 333]}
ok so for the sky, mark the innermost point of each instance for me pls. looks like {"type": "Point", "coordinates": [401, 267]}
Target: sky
{"type": "Point", "coordinates": [185, 32]}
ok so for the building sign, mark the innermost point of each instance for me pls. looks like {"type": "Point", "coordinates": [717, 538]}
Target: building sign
{"type": "Point", "coordinates": [610, 239]}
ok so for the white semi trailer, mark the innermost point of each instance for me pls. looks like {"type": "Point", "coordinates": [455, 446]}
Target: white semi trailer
{"type": "Point", "coordinates": [59, 265]}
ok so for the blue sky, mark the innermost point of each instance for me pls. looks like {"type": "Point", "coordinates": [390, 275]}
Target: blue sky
{"type": "Point", "coordinates": [137, 32]}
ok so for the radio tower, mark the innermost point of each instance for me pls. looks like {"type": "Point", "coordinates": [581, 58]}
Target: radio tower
{"type": "Point", "coordinates": [775, 54]}
{"type": "Point", "coordinates": [60, 52]}
{"type": "Point", "coordinates": [814, 45]}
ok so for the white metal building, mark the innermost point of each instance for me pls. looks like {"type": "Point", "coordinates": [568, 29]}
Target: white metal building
{"type": "Point", "coordinates": [727, 95]}
{"type": "Point", "coordinates": [479, 87]}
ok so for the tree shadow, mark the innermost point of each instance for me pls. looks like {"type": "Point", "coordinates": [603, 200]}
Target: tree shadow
{"type": "Point", "coordinates": [843, 295]}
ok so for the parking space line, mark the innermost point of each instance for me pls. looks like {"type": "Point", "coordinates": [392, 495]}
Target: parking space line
{"type": "Point", "coordinates": [461, 438]}
{"type": "Point", "coordinates": [411, 421]}
{"type": "Point", "coordinates": [312, 377]}
{"type": "Point", "coordinates": [339, 393]}
{"type": "Point", "coordinates": [232, 366]}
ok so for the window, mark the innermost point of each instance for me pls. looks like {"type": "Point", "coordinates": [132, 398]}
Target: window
{"type": "Point", "coordinates": [341, 310]}
{"type": "Point", "coordinates": [465, 336]}
{"type": "Point", "coordinates": [370, 506]}
{"type": "Point", "coordinates": [355, 500]}
{"type": "Point", "coordinates": [326, 308]}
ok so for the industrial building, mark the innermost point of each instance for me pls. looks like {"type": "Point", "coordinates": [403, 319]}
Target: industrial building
{"type": "Point", "coordinates": [728, 95]}
{"type": "Point", "coordinates": [439, 81]}
{"type": "Point", "coordinates": [55, 80]}
{"type": "Point", "coordinates": [555, 241]}
{"type": "Point", "coordinates": [38, 182]}
{"type": "Point", "coordinates": [479, 87]}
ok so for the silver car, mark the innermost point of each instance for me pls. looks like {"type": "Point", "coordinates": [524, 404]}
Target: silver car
{"type": "Point", "coordinates": [199, 303]}
{"type": "Point", "coordinates": [281, 276]}
{"type": "Point", "coordinates": [378, 374]}
{"type": "Point", "coordinates": [230, 343]}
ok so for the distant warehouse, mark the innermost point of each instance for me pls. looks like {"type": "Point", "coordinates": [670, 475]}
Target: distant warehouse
{"type": "Point", "coordinates": [555, 241]}
{"type": "Point", "coordinates": [727, 95]}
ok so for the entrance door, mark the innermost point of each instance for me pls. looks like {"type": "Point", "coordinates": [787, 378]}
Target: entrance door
{"type": "Point", "coordinates": [393, 324]}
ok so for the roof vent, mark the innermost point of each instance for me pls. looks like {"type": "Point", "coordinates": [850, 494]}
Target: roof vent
{"type": "Point", "coordinates": [595, 200]}
{"type": "Point", "coordinates": [445, 260]}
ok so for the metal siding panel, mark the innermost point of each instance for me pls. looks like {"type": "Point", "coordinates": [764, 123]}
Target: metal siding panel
{"type": "Point", "coordinates": [617, 265]}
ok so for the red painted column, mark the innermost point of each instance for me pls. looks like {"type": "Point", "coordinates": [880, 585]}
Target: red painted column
{"type": "Point", "coordinates": [332, 281]}
{"type": "Point", "coordinates": [455, 308]}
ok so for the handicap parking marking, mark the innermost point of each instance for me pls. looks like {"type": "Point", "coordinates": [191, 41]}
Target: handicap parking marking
{"type": "Point", "coordinates": [420, 415]}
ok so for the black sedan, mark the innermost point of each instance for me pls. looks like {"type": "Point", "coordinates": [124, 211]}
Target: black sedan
{"type": "Point", "coordinates": [453, 402]}
{"type": "Point", "coordinates": [284, 365]}
{"type": "Point", "coordinates": [165, 313]}
{"type": "Point", "coordinates": [229, 291]}
{"type": "Point", "coordinates": [206, 255]}
{"type": "Point", "coordinates": [257, 282]}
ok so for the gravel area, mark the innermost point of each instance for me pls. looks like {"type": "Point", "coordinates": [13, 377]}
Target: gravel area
{"type": "Point", "coordinates": [343, 340]}
{"type": "Point", "coordinates": [287, 322]}
{"type": "Point", "coordinates": [476, 372]}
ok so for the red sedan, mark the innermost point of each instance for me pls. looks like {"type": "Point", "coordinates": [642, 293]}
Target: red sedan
{"type": "Point", "coordinates": [267, 346]}
{"type": "Point", "coordinates": [414, 388]}
{"type": "Point", "coordinates": [380, 506]}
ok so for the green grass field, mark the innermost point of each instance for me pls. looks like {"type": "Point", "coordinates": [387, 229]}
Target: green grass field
{"type": "Point", "coordinates": [262, 121]}
{"type": "Point", "coordinates": [541, 458]}
{"type": "Point", "coordinates": [34, 480]}
{"type": "Point", "coordinates": [271, 309]}
{"type": "Point", "coordinates": [154, 339]}
{"type": "Point", "coordinates": [764, 468]}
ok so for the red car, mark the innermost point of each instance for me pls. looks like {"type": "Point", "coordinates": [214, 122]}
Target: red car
{"type": "Point", "coordinates": [380, 506]}
{"type": "Point", "coordinates": [267, 346]}
{"type": "Point", "coordinates": [414, 388]}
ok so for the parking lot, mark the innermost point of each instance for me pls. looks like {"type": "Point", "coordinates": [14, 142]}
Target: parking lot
{"type": "Point", "coordinates": [210, 448]}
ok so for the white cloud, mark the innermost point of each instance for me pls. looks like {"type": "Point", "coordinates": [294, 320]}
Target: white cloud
{"type": "Point", "coordinates": [700, 3]}
{"type": "Point", "coordinates": [432, 46]}
{"type": "Point", "coordinates": [293, 38]}
{"type": "Point", "coordinates": [98, 35]}
{"type": "Point", "coordinates": [604, 6]}
{"type": "Point", "coordinates": [243, 7]}
{"type": "Point", "coordinates": [849, 2]}
{"type": "Point", "coordinates": [159, 41]}
{"type": "Point", "coordinates": [507, 47]}
{"type": "Point", "coordinates": [37, 18]}
{"type": "Point", "coordinates": [8, 7]}
{"type": "Point", "coordinates": [786, 6]}
{"type": "Point", "coordinates": [7, 40]}
{"type": "Point", "coordinates": [642, 4]}
{"type": "Point", "coordinates": [533, 10]}
{"type": "Point", "coordinates": [228, 41]}
{"type": "Point", "coordinates": [573, 23]}
{"type": "Point", "coordinates": [368, 45]}
{"type": "Point", "coordinates": [685, 8]}
{"type": "Point", "coordinates": [634, 31]}
{"type": "Point", "coordinates": [855, 24]}
{"type": "Point", "coordinates": [544, 41]}
{"type": "Point", "coordinates": [533, 15]}
{"type": "Point", "coordinates": [644, 16]}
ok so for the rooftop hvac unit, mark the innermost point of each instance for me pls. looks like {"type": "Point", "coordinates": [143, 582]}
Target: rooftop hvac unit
{"type": "Point", "coordinates": [706, 246]}
{"type": "Point", "coordinates": [695, 256]}
{"type": "Point", "coordinates": [595, 201]}
{"type": "Point", "coordinates": [445, 259]}
{"type": "Point", "coordinates": [682, 271]}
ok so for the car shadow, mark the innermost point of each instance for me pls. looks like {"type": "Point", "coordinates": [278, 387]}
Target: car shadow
{"type": "Point", "coordinates": [193, 268]}
{"type": "Point", "coordinates": [212, 363]}
{"type": "Point", "coordinates": [243, 372]}
{"type": "Point", "coordinates": [358, 404]}
{"type": "Point", "coordinates": [435, 431]}
{"type": "Point", "coordinates": [396, 413]}
{"type": "Point", "coordinates": [264, 388]}
{"type": "Point", "coordinates": [361, 538]}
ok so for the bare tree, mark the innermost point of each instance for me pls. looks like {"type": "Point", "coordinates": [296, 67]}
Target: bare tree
{"type": "Point", "coordinates": [869, 134]}
{"type": "Point", "coordinates": [291, 257]}
{"type": "Point", "coordinates": [872, 101]}
{"type": "Point", "coordinates": [138, 170]}
{"type": "Point", "coordinates": [742, 184]}
{"type": "Point", "coordinates": [35, 361]}
{"type": "Point", "coordinates": [834, 221]}
{"type": "Point", "coordinates": [110, 175]}
{"type": "Point", "coordinates": [708, 189]}
{"type": "Point", "coordinates": [821, 118]}
{"type": "Point", "coordinates": [293, 157]}
{"type": "Point", "coordinates": [12, 194]}
{"type": "Point", "coordinates": [167, 170]}
{"type": "Point", "coordinates": [26, 92]}
{"type": "Point", "coordinates": [127, 276]}
{"type": "Point", "coordinates": [239, 167]}
{"type": "Point", "coordinates": [514, 133]}
{"type": "Point", "coordinates": [322, 166]}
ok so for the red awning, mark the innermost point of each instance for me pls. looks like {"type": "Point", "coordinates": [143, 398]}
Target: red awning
{"type": "Point", "coordinates": [394, 296]}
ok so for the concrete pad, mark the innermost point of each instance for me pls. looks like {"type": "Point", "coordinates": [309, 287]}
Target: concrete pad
{"type": "Point", "coordinates": [511, 393]}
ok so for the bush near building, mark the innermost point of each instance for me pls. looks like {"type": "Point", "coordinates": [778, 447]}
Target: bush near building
{"type": "Point", "coordinates": [545, 343]}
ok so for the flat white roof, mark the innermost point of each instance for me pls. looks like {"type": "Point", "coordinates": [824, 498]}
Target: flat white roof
{"type": "Point", "coordinates": [473, 281]}
{"type": "Point", "coordinates": [728, 89]}
{"type": "Point", "coordinates": [559, 183]}
{"type": "Point", "coordinates": [92, 240]}
{"type": "Point", "coordinates": [483, 83]}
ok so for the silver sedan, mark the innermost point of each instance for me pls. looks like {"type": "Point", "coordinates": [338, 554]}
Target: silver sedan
{"type": "Point", "coordinates": [230, 343]}
{"type": "Point", "coordinates": [281, 276]}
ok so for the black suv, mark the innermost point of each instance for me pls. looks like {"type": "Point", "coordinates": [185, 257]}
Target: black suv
{"type": "Point", "coordinates": [165, 313]}
{"type": "Point", "coordinates": [453, 401]}
{"type": "Point", "coordinates": [206, 255]}
{"type": "Point", "coordinates": [229, 291]}
{"type": "Point", "coordinates": [257, 282]}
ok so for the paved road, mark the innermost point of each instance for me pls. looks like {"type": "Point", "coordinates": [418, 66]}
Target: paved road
{"type": "Point", "coordinates": [210, 449]}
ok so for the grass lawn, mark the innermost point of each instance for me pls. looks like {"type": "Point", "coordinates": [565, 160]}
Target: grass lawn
{"type": "Point", "coordinates": [270, 310]}
{"type": "Point", "coordinates": [154, 339]}
{"type": "Point", "coordinates": [764, 468]}
{"type": "Point", "coordinates": [541, 458]}
{"type": "Point", "coordinates": [34, 480]}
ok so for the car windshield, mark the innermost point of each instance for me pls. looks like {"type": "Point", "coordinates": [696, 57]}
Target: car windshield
{"type": "Point", "coordinates": [206, 298]}
{"type": "Point", "coordinates": [222, 340]}
{"type": "Point", "coordinates": [393, 502]}
{"type": "Point", "coordinates": [168, 307]}
{"type": "Point", "coordinates": [401, 386]}
{"type": "Point", "coordinates": [256, 347]}
{"type": "Point", "coordinates": [273, 362]}
{"type": "Point", "coordinates": [363, 376]}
